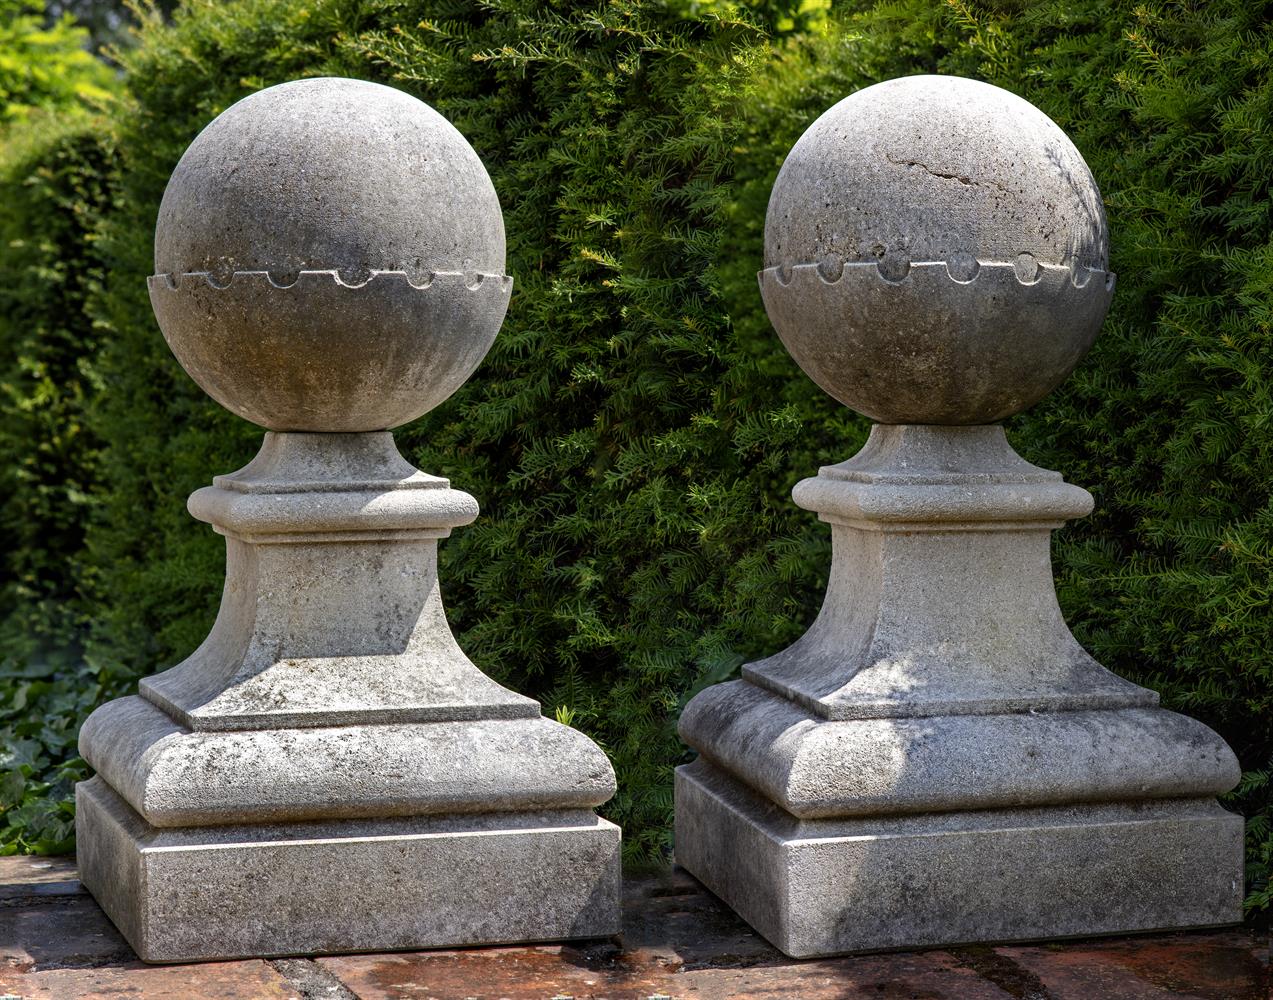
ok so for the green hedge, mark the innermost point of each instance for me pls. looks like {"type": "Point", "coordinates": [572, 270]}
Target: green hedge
{"type": "Point", "coordinates": [634, 434]}
{"type": "Point", "coordinates": [45, 67]}
{"type": "Point", "coordinates": [54, 183]}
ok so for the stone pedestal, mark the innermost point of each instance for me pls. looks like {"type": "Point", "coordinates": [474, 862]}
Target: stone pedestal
{"type": "Point", "coordinates": [329, 772]}
{"type": "Point", "coordinates": [937, 760]}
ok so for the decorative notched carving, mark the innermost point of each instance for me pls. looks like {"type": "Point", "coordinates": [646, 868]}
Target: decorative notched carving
{"type": "Point", "coordinates": [323, 354]}
{"type": "Point", "coordinates": [927, 347]}
{"type": "Point", "coordinates": [473, 280]}
{"type": "Point", "coordinates": [894, 269]}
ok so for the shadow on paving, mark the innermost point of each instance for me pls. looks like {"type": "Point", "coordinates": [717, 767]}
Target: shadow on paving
{"type": "Point", "coordinates": [679, 942]}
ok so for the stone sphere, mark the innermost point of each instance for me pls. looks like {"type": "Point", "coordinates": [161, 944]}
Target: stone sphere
{"type": "Point", "coordinates": [936, 252]}
{"type": "Point", "coordinates": [329, 256]}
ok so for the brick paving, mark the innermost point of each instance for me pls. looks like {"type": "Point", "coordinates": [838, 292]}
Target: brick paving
{"type": "Point", "coordinates": [55, 944]}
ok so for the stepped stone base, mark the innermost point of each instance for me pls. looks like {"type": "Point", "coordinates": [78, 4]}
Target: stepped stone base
{"type": "Point", "coordinates": [825, 887]}
{"type": "Point", "coordinates": [200, 893]}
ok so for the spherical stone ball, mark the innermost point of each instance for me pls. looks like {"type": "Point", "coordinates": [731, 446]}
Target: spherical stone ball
{"type": "Point", "coordinates": [936, 252]}
{"type": "Point", "coordinates": [329, 256]}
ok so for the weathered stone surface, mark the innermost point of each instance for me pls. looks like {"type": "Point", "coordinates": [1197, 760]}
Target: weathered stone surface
{"type": "Point", "coordinates": [334, 516]}
{"type": "Point", "coordinates": [833, 803]}
{"type": "Point", "coordinates": [216, 892]}
{"type": "Point", "coordinates": [362, 639]}
{"type": "Point", "coordinates": [956, 368]}
{"type": "Point", "coordinates": [937, 760]}
{"type": "Point", "coordinates": [314, 633]}
{"type": "Point", "coordinates": [381, 352]}
{"type": "Point", "coordinates": [329, 256]}
{"type": "Point", "coordinates": [867, 767]}
{"type": "Point", "coordinates": [825, 887]}
{"type": "Point", "coordinates": [329, 173]}
{"type": "Point", "coordinates": [174, 777]}
{"type": "Point", "coordinates": [940, 599]}
{"type": "Point", "coordinates": [330, 688]}
{"type": "Point", "coordinates": [936, 252]}
{"type": "Point", "coordinates": [328, 771]}
{"type": "Point", "coordinates": [935, 166]}
{"type": "Point", "coordinates": [332, 463]}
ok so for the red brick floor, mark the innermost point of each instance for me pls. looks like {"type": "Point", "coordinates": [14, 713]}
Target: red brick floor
{"type": "Point", "coordinates": [678, 942]}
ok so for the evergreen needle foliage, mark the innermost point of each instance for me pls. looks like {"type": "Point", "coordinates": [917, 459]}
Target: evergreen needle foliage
{"type": "Point", "coordinates": [45, 68]}
{"type": "Point", "coordinates": [634, 434]}
{"type": "Point", "coordinates": [54, 182]}
{"type": "Point", "coordinates": [48, 451]}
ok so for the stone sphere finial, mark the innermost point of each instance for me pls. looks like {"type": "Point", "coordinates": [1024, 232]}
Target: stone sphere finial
{"type": "Point", "coordinates": [936, 252]}
{"type": "Point", "coordinates": [329, 256]}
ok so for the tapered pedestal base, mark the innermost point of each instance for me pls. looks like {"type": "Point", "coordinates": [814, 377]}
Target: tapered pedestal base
{"type": "Point", "coordinates": [824, 887]}
{"type": "Point", "coordinates": [328, 772]}
{"type": "Point", "coordinates": [192, 894]}
{"type": "Point", "coordinates": [937, 760]}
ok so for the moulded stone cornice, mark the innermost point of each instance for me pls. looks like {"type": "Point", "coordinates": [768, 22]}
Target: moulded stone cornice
{"type": "Point", "coordinates": [426, 512]}
{"type": "Point", "coordinates": [341, 772]}
{"type": "Point", "coordinates": [817, 769]}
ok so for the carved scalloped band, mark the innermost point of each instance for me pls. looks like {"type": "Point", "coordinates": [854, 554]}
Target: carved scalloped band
{"type": "Point", "coordinates": [962, 271]}
{"type": "Point", "coordinates": [472, 279]}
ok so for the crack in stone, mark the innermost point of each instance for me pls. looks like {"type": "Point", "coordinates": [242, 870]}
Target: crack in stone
{"type": "Point", "coordinates": [966, 181]}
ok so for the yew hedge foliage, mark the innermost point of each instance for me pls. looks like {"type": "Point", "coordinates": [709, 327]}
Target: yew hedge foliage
{"type": "Point", "coordinates": [634, 435]}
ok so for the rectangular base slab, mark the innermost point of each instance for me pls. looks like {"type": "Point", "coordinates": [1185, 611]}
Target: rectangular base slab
{"type": "Point", "coordinates": [193, 894]}
{"type": "Point", "coordinates": [828, 887]}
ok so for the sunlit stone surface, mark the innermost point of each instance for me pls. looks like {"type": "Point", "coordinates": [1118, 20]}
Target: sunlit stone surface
{"type": "Point", "coordinates": [329, 772]}
{"type": "Point", "coordinates": [937, 760]}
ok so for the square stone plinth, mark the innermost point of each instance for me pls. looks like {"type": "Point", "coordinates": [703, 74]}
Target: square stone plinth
{"type": "Point", "coordinates": [192, 894]}
{"type": "Point", "coordinates": [827, 887]}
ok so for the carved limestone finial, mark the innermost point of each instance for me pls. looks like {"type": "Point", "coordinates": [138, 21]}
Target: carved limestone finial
{"type": "Point", "coordinates": [936, 252]}
{"type": "Point", "coordinates": [329, 771]}
{"type": "Point", "coordinates": [329, 256]}
{"type": "Point", "coordinates": [937, 760]}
